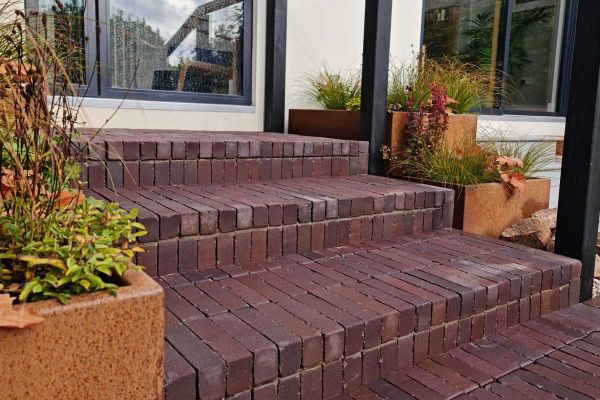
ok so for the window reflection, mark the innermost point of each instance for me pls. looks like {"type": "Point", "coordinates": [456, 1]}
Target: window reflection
{"type": "Point", "coordinates": [177, 45]}
{"type": "Point", "coordinates": [473, 31]}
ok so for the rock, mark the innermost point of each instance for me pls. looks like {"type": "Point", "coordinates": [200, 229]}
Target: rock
{"type": "Point", "coordinates": [598, 245]}
{"type": "Point", "coordinates": [548, 216]}
{"type": "Point", "coordinates": [597, 268]}
{"type": "Point", "coordinates": [531, 232]}
{"type": "Point", "coordinates": [551, 243]}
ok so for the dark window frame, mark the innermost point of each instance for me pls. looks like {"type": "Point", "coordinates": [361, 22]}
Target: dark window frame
{"type": "Point", "coordinates": [98, 63]}
{"type": "Point", "coordinates": [566, 58]}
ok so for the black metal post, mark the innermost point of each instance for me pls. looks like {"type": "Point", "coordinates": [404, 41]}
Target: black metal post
{"type": "Point", "coordinates": [375, 66]}
{"type": "Point", "coordinates": [274, 120]}
{"type": "Point", "coordinates": [579, 201]}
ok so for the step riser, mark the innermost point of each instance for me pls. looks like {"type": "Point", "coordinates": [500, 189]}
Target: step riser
{"type": "Point", "coordinates": [399, 313]}
{"type": "Point", "coordinates": [333, 378]}
{"type": "Point", "coordinates": [115, 174]}
{"type": "Point", "coordinates": [204, 253]}
{"type": "Point", "coordinates": [134, 158]}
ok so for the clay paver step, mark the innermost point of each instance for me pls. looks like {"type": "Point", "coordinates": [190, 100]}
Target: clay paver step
{"type": "Point", "coordinates": [317, 323]}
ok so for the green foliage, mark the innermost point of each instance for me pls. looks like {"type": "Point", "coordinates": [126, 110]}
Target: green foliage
{"type": "Point", "coordinates": [535, 155]}
{"type": "Point", "coordinates": [466, 84]}
{"type": "Point", "coordinates": [407, 88]}
{"type": "Point", "coordinates": [451, 166]}
{"type": "Point", "coordinates": [470, 164]}
{"type": "Point", "coordinates": [54, 243]}
{"type": "Point", "coordinates": [69, 252]}
{"type": "Point", "coordinates": [335, 90]}
{"type": "Point", "coordinates": [479, 35]}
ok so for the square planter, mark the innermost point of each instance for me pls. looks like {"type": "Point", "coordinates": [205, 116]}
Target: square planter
{"type": "Point", "coordinates": [334, 124]}
{"type": "Point", "coordinates": [97, 346]}
{"type": "Point", "coordinates": [488, 209]}
{"type": "Point", "coordinates": [341, 124]}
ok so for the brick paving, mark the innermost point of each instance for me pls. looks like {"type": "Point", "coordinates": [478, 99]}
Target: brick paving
{"type": "Point", "coordinates": [290, 274]}
{"type": "Point", "coordinates": [337, 319]}
{"type": "Point", "coordinates": [129, 158]}
{"type": "Point", "coordinates": [228, 224]}
{"type": "Point", "coordinates": [556, 356]}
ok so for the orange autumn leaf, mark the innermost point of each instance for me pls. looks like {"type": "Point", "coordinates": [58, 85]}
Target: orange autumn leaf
{"type": "Point", "coordinates": [69, 199]}
{"type": "Point", "coordinates": [16, 317]}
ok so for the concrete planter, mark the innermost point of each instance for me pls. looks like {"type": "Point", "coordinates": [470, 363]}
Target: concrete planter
{"type": "Point", "coordinates": [340, 124]}
{"type": "Point", "coordinates": [98, 346]}
{"type": "Point", "coordinates": [488, 209]}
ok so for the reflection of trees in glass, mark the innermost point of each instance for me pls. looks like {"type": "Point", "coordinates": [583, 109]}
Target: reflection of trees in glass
{"type": "Point", "coordinates": [479, 36]}
{"type": "Point", "coordinates": [203, 55]}
{"type": "Point", "coordinates": [132, 39]}
{"type": "Point", "coordinates": [70, 44]}
{"type": "Point", "coordinates": [64, 32]}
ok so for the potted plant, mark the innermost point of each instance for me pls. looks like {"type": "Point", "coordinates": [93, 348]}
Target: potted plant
{"type": "Point", "coordinates": [77, 318]}
{"type": "Point", "coordinates": [493, 181]}
{"type": "Point", "coordinates": [409, 88]}
{"type": "Point", "coordinates": [338, 93]}
{"type": "Point", "coordinates": [412, 88]}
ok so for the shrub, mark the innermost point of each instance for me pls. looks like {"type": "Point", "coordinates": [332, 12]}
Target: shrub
{"type": "Point", "coordinates": [466, 84]}
{"type": "Point", "coordinates": [54, 243]}
{"type": "Point", "coordinates": [335, 90]}
{"type": "Point", "coordinates": [510, 163]}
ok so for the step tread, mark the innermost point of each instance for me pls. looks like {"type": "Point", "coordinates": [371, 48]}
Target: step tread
{"type": "Point", "coordinates": [135, 144]}
{"type": "Point", "coordinates": [357, 304]}
{"type": "Point", "coordinates": [191, 210]}
{"type": "Point", "coordinates": [528, 363]}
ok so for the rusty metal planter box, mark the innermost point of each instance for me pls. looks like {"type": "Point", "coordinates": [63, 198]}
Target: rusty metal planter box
{"type": "Point", "coordinates": [488, 209]}
{"type": "Point", "coordinates": [342, 124]}
{"type": "Point", "coordinates": [98, 346]}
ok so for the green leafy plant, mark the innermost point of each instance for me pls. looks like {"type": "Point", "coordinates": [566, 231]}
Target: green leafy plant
{"type": "Point", "coordinates": [73, 251]}
{"type": "Point", "coordinates": [335, 90]}
{"type": "Point", "coordinates": [54, 243]}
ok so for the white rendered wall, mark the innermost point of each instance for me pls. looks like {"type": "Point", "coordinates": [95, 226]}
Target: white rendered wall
{"type": "Point", "coordinates": [330, 32]}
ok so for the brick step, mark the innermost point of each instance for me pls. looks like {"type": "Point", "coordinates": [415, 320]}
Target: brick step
{"type": "Point", "coordinates": [126, 158]}
{"type": "Point", "coordinates": [315, 325]}
{"type": "Point", "coordinates": [193, 227]}
{"type": "Point", "coordinates": [557, 356]}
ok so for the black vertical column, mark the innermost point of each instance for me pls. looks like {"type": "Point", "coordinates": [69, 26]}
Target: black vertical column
{"type": "Point", "coordinates": [375, 66]}
{"type": "Point", "coordinates": [579, 201]}
{"type": "Point", "coordinates": [275, 66]}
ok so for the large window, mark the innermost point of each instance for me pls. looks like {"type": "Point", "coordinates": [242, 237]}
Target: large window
{"type": "Point", "coordinates": [522, 42]}
{"type": "Point", "coordinates": [170, 50]}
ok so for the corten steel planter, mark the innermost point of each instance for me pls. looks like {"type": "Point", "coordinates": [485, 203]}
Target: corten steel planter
{"type": "Point", "coordinates": [97, 346]}
{"type": "Point", "coordinates": [335, 124]}
{"type": "Point", "coordinates": [462, 129]}
{"type": "Point", "coordinates": [488, 209]}
{"type": "Point", "coordinates": [342, 124]}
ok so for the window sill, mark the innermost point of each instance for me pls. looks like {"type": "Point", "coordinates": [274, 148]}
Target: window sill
{"type": "Point", "coordinates": [143, 105]}
{"type": "Point", "coordinates": [522, 118]}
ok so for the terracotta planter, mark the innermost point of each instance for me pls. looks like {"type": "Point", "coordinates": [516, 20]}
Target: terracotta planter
{"type": "Point", "coordinates": [340, 124]}
{"type": "Point", "coordinates": [488, 209]}
{"type": "Point", "coordinates": [462, 128]}
{"type": "Point", "coordinates": [98, 346]}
